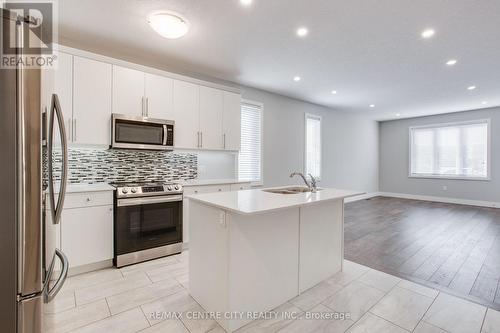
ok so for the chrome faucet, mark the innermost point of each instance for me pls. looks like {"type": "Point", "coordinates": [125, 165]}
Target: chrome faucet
{"type": "Point", "coordinates": [310, 185]}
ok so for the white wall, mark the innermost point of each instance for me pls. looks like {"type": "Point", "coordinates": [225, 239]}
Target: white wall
{"type": "Point", "coordinates": [394, 159]}
{"type": "Point", "coordinates": [350, 143]}
{"type": "Point", "coordinates": [216, 165]}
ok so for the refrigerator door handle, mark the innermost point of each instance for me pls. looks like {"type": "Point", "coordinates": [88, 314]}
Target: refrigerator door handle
{"type": "Point", "coordinates": [50, 293]}
{"type": "Point", "coordinates": [56, 209]}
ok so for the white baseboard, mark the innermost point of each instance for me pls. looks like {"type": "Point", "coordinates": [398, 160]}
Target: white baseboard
{"type": "Point", "coordinates": [362, 197]}
{"type": "Point", "coordinates": [479, 203]}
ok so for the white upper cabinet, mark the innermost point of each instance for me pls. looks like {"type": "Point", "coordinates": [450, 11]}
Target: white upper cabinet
{"type": "Point", "coordinates": [159, 97]}
{"type": "Point", "coordinates": [91, 101]}
{"type": "Point", "coordinates": [231, 121]}
{"type": "Point", "coordinates": [91, 88]}
{"type": "Point", "coordinates": [63, 87]}
{"type": "Point", "coordinates": [128, 91]}
{"type": "Point", "coordinates": [186, 114]}
{"type": "Point", "coordinates": [211, 106]}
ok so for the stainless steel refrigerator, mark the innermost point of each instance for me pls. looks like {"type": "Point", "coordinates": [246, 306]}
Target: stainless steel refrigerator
{"type": "Point", "coordinates": [27, 281]}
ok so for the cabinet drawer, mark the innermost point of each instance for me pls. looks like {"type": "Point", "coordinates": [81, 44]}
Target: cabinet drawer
{"type": "Point", "coordinates": [239, 187]}
{"type": "Point", "coordinates": [88, 199]}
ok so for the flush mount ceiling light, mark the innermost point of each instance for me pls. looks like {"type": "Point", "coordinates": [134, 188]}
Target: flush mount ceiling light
{"type": "Point", "coordinates": [471, 88]}
{"type": "Point", "coordinates": [334, 92]}
{"type": "Point", "coordinates": [168, 24]}
{"type": "Point", "coordinates": [296, 78]}
{"type": "Point", "coordinates": [372, 105]}
{"type": "Point", "coordinates": [427, 33]}
{"type": "Point", "coordinates": [246, 2]}
{"type": "Point", "coordinates": [484, 102]}
{"type": "Point", "coordinates": [302, 32]}
{"type": "Point", "coordinates": [398, 114]}
{"type": "Point", "coordinates": [451, 62]}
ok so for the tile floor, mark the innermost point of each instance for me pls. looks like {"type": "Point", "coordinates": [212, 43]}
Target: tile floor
{"type": "Point", "coordinates": [126, 301]}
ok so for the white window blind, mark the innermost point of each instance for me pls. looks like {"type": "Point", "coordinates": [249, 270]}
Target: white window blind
{"type": "Point", "coordinates": [458, 150]}
{"type": "Point", "coordinates": [250, 158]}
{"type": "Point", "coordinates": [313, 146]}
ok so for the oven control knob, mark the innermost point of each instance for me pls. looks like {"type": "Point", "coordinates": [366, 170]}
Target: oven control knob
{"type": "Point", "coordinates": [169, 188]}
{"type": "Point", "coordinates": [176, 187]}
{"type": "Point", "coordinates": [133, 190]}
{"type": "Point", "coordinates": [125, 191]}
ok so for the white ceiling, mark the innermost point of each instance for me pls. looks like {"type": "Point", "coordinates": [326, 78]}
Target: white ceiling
{"type": "Point", "coordinates": [370, 51]}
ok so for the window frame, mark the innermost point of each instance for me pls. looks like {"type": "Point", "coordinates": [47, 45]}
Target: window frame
{"type": "Point", "coordinates": [316, 117]}
{"type": "Point", "coordinates": [260, 182]}
{"type": "Point", "coordinates": [486, 121]}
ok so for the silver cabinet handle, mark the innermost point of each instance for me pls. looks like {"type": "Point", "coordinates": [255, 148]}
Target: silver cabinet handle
{"type": "Point", "coordinates": [201, 139]}
{"type": "Point", "coordinates": [74, 129]}
{"type": "Point", "coordinates": [56, 209]}
{"type": "Point", "coordinates": [147, 106]}
{"type": "Point", "coordinates": [198, 139]}
{"type": "Point", "coordinates": [50, 293]}
{"type": "Point", "coordinates": [224, 140]}
{"type": "Point", "coordinates": [142, 106]}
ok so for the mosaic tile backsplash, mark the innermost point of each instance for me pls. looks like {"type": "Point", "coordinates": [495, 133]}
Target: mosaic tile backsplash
{"type": "Point", "coordinates": [116, 165]}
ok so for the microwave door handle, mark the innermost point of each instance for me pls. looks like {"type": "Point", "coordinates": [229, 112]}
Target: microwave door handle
{"type": "Point", "coordinates": [56, 208]}
{"type": "Point", "coordinates": [164, 135]}
{"type": "Point", "coordinates": [50, 293]}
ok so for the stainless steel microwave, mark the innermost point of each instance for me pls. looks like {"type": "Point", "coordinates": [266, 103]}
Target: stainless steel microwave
{"type": "Point", "coordinates": [141, 133]}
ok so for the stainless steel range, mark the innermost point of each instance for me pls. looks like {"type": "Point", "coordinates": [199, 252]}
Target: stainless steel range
{"type": "Point", "coordinates": [147, 221]}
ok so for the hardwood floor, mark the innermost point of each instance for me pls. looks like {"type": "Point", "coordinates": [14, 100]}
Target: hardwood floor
{"type": "Point", "coordinates": [450, 247]}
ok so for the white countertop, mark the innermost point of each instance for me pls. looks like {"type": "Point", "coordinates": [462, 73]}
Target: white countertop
{"type": "Point", "coordinates": [98, 187]}
{"type": "Point", "coordinates": [201, 182]}
{"type": "Point", "coordinates": [76, 188]}
{"type": "Point", "coordinates": [258, 201]}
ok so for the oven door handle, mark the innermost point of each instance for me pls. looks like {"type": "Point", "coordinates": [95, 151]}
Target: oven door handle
{"type": "Point", "coordinates": [147, 201]}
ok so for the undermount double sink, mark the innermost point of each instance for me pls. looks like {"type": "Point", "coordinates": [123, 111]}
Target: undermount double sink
{"type": "Point", "coordinates": [289, 190]}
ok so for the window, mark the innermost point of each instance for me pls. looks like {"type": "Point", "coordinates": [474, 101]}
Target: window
{"type": "Point", "coordinates": [313, 146]}
{"type": "Point", "coordinates": [458, 150]}
{"type": "Point", "coordinates": [250, 158]}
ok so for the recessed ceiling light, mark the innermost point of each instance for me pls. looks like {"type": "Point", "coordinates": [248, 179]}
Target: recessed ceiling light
{"type": "Point", "coordinates": [302, 32]}
{"type": "Point", "coordinates": [296, 78]}
{"type": "Point", "coordinates": [372, 105]}
{"type": "Point", "coordinates": [471, 88]}
{"type": "Point", "coordinates": [451, 62]}
{"type": "Point", "coordinates": [169, 24]}
{"type": "Point", "coordinates": [398, 114]}
{"type": "Point", "coordinates": [246, 2]}
{"type": "Point", "coordinates": [484, 102]}
{"type": "Point", "coordinates": [334, 92]}
{"type": "Point", "coordinates": [427, 33]}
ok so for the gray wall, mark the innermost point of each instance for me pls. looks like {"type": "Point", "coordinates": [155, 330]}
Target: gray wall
{"type": "Point", "coordinates": [350, 143]}
{"type": "Point", "coordinates": [394, 156]}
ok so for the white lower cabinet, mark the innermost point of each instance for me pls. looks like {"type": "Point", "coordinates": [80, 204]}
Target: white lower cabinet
{"type": "Point", "coordinates": [87, 235]}
{"type": "Point", "coordinates": [240, 187]}
{"type": "Point", "coordinates": [85, 232]}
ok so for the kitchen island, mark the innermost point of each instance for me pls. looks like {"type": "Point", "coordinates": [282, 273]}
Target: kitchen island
{"type": "Point", "coordinates": [253, 250]}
